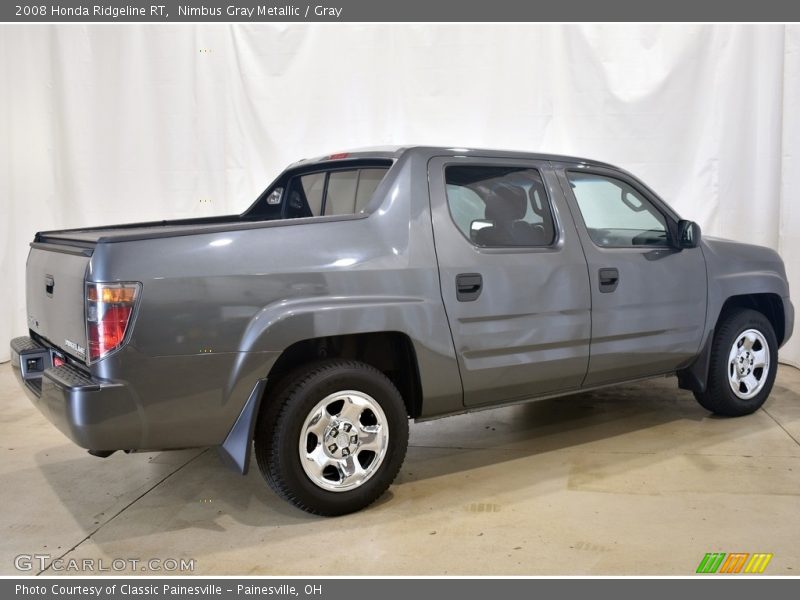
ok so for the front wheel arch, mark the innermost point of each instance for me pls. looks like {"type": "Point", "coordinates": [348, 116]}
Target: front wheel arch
{"type": "Point", "coordinates": [731, 361]}
{"type": "Point", "coordinates": [768, 304]}
{"type": "Point", "coordinates": [694, 377]}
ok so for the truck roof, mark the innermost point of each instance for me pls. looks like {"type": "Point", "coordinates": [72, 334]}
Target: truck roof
{"type": "Point", "coordinates": [395, 152]}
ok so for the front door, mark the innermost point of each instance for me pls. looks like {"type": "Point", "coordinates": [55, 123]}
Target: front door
{"type": "Point", "coordinates": [513, 277]}
{"type": "Point", "coordinates": [648, 298]}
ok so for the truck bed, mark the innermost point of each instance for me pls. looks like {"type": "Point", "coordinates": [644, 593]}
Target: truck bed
{"type": "Point", "coordinates": [145, 230]}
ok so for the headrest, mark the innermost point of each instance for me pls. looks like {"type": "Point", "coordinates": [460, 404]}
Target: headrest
{"type": "Point", "coordinates": [506, 203]}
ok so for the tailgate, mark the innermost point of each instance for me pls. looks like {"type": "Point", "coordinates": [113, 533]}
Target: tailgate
{"type": "Point", "coordinates": [55, 291]}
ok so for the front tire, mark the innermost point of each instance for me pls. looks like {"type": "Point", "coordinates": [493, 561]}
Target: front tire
{"type": "Point", "coordinates": [744, 362]}
{"type": "Point", "coordinates": [333, 437]}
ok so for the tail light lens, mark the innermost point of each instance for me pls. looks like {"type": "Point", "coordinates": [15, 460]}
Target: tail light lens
{"type": "Point", "coordinates": [109, 308]}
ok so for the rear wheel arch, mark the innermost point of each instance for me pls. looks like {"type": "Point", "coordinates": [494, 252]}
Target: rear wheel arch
{"type": "Point", "coordinates": [390, 352]}
{"type": "Point", "coordinates": [333, 437]}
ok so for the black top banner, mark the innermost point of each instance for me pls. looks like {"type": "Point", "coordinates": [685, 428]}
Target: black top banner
{"type": "Point", "coordinates": [243, 11]}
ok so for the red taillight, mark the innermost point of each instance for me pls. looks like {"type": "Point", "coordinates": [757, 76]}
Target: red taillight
{"type": "Point", "coordinates": [109, 307]}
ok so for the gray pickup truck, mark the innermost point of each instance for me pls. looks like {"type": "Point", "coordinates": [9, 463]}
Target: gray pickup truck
{"type": "Point", "coordinates": [365, 288]}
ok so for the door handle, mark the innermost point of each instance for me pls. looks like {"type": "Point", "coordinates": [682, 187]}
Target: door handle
{"type": "Point", "coordinates": [468, 286]}
{"type": "Point", "coordinates": [609, 278]}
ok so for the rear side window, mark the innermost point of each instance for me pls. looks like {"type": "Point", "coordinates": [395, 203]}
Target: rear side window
{"type": "Point", "coordinates": [337, 192]}
{"type": "Point", "coordinates": [496, 207]}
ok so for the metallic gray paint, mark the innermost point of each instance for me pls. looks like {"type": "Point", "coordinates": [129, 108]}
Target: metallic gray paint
{"type": "Point", "coordinates": [222, 300]}
{"type": "Point", "coordinates": [735, 268]}
{"type": "Point", "coordinates": [653, 321]}
{"type": "Point", "coordinates": [59, 315]}
{"type": "Point", "coordinates": [528, 332]}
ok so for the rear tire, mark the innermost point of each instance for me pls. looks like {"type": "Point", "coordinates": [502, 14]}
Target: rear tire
{"type": "Point", "coordinates": [744, 362]}
{"type": "Point", "coordinates": [333, 437]}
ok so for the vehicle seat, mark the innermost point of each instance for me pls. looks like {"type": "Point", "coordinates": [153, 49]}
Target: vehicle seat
{"type": "Point", "coordinates": [506, 206]}
{"type": "Point", "coordinates": [297, 207]}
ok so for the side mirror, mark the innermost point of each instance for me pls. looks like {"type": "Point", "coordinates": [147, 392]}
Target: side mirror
{"type": "Point", "coordinates": [688, 234]}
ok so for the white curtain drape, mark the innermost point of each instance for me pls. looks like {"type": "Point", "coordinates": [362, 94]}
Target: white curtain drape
{"type": "Point", "coordinates": [116, 123]}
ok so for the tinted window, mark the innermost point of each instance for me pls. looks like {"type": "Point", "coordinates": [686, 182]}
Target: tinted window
{"type": "Point", "coordinates": [341, 197]}
{"type": "Point", "coordinates": [368, 180]}
{"type": "Point", "coordinates": [313, 186]}
{"type": "Point", "coordinates": [350, 191]}
{"type": "Point", "coordinates": [500, 206]}
{"type": "Point", "coordinates": [339, 192]}
{"type": "Point", "coordinates": [615, 214]}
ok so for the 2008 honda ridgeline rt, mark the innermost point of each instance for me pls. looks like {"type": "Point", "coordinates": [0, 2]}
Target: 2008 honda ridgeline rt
{"type": "Point", "coordinates": [368, 287]}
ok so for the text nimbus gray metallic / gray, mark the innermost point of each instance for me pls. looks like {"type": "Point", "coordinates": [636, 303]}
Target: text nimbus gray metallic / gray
{"type": "Point", "coordinates": [161, 11]}
{"type": "Point", "coordinates": [288, 10]}
{"type": "Point", "coordinates": [509, 11]}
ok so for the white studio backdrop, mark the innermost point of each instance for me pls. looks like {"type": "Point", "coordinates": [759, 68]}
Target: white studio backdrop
{"type": "Point", "coordinates": [118, 123]}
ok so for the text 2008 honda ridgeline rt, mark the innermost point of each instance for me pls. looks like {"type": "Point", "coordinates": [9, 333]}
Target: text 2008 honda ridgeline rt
{"type": "Point", "coordinates": [365, 288]}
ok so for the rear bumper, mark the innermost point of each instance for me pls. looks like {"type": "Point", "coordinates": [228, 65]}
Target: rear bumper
{"type": "Point", "coordinates": [95, 414]}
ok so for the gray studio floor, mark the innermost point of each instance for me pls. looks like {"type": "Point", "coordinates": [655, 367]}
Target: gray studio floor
{"type": "Point", "coordinates": [630, 480]}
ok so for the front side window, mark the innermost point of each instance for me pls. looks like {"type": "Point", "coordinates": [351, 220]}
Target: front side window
{"type": "Point", "coordinates": [496, 207]}
{"type": "Point", "coordinates": [615, 214]}
{"type": "Point", "coordinates": [338, 192]}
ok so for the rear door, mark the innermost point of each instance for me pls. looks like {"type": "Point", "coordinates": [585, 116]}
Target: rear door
{"type": "Point", "coordinates": [648, 298]}
{"type": "Point", "coordinates": [513, 277]}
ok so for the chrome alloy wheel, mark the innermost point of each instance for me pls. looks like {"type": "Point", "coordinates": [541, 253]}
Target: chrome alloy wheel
{"type": "Point", "coordinates": [748, 364]}
{"type": "Point", "coordinates": [343, 441]}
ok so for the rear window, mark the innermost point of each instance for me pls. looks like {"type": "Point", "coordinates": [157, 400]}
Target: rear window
{"type": "Point", "coordinates": [499, 206]}
{"type": "Point", "coordinates": [336, 192]}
